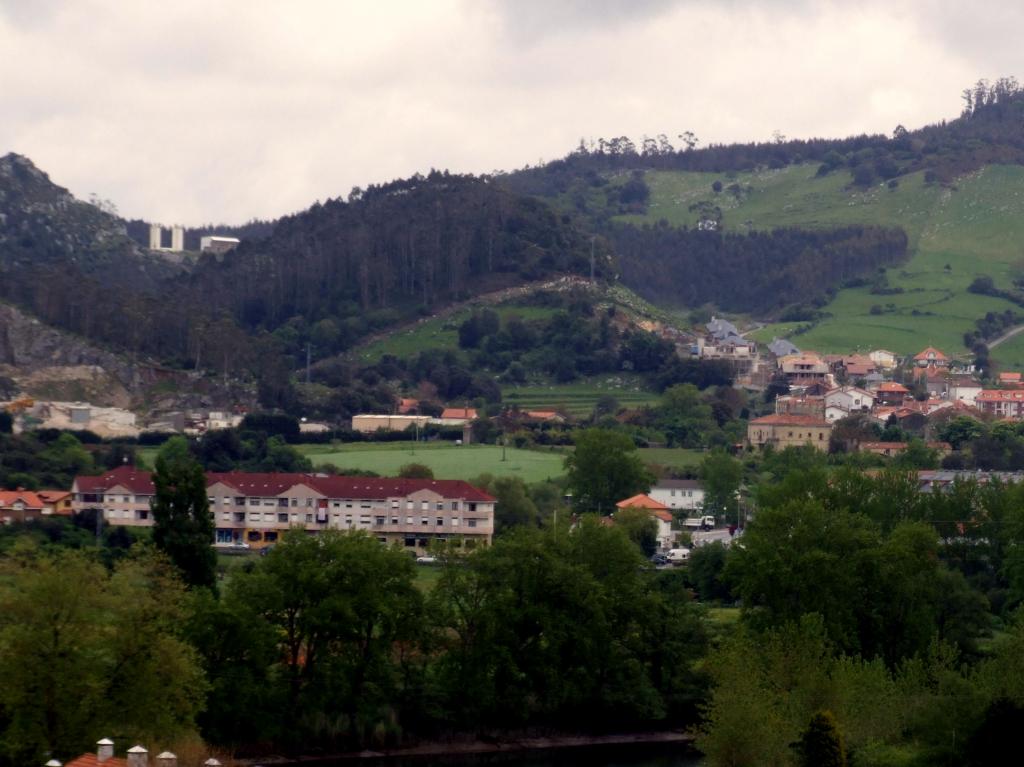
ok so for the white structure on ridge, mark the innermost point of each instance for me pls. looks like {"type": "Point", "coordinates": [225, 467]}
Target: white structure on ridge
{"type": "Point", "coordinates": [156, 237]}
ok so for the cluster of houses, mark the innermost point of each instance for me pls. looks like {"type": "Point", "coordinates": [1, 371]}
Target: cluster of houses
{"type": "Point", "coordinates": [820, 393]}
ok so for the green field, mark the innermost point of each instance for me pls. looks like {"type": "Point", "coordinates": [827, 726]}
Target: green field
{"type": "Point", "coordinates": [975, 227]}
{"type": "Point", "coordinates": [672, 457]}
{"type": "Point", "coordinates": [446, 460]}
{"type": "Point", "coordinates": [579, 398]}
{"type": "Point", "coordinates": [440, 332]}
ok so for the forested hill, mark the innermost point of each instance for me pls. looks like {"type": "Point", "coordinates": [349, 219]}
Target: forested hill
{"type": "Point", "coordinates": [325, 277]}
{"type": "Point", "coordinates": [390, 252]}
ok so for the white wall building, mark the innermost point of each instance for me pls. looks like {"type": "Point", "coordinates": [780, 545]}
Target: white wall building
{"type": "Point", "coordinates": [684, 494]}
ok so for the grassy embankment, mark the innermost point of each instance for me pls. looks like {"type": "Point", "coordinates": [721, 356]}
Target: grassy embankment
{"type": "Point", "coordinates": [975, 228]}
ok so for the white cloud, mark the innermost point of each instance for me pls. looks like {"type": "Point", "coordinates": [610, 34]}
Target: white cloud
{"type": "Point", "coordinates": [196, 111]}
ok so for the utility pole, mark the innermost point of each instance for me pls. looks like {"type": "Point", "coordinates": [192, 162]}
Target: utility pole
{"type": "Point", "coordinates": [309, 358]}
{"type": "Point", "coordinates": [592, 238]}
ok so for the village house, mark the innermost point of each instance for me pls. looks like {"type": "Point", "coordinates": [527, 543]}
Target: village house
{"type": "Point", "coordinates": [963, 389]}
{"type": "Point", "coordinates": [1002, 403]}
{"type": "Point", "coordinates": [804, 369]}
{"type": "Point", "coordinates": [849, 399]}
{"type": "Point", "coordinates": [780, 347]}
{"type": "Point", "coordinates": [890, 449]}
{"type": "Point", "coordinates": [782, 431]}
{"type": "Point", "coordinates": [684, 494]}
{"type": "Point", "coordinates": [257, 508]}
{"type": "Point", "coordinates": [1010, 379]}
{"type": "Point", "coordinates": [368, 423]}
{"type": "Point", "coordinates": [792, 404]}
{"type": "Point", "coordinates": [850, 366]}
{"type": "Point", "coordinates": [891, 393]}
{"type": "Point", "coordinates": [931, 358]}
{"type": "Point", "coordinates": [20, 506]}
{"type": "Point", "coordinates": [884, 359]}
{"type": "Point", "coordinates": [658, 512]}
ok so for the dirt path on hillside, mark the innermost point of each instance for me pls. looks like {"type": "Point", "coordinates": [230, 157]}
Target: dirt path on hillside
{"type": "Point", "coordinates": [1006, 336]}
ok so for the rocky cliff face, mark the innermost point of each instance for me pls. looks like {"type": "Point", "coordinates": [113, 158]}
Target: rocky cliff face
{"type": "Point", "coordinates": [49, 363]}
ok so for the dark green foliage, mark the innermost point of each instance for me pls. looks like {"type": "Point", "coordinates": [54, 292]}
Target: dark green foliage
{"type": "Point", "coordinates": [706, 570]}
{"type": "Point", "coordinates": [6, 422]}
{"type": "Point", "coordinates": [182, 525]}
{"type": "Point", "coordinates": [416, 471]}
{"type": "Point", "coordinates": [821, 744]}
{"type": "Point", "coordinates": [27, 460]}
{"type": "Point", "coordinates": [640, 527]}
{"type": "Point", "coordinates": [273, 425]}
{"type": "Point", "coordinates": [756, 272]}
{"type": "Point", "coordinates": [604, 469]}
{"type": "Point", "coordinates": [567, 630]}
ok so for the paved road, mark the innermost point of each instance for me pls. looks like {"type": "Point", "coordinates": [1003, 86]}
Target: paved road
{"type": "Point", "coordinates": [700, 537]}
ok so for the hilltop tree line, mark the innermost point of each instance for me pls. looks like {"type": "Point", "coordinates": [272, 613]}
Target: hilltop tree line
{"type": "Point", "coordinates": [987, 131]}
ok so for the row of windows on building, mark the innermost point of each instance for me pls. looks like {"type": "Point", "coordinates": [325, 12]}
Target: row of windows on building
{"type": "Point", "coordinates": [272, 536]}
{"type": "Point", "coordinates": [364, 520]}
{"type": "Point", "coordinates": [285, 502]}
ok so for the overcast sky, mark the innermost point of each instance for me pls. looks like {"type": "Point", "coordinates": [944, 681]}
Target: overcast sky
{"type": "Point", "coordinates": [223, 110]}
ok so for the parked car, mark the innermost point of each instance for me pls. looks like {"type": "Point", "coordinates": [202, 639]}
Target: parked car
{"type": "Point", "coordinates": [659, 559]}
{"type": "Point", "coordinates": [426, 559]}
{"type": "Point", "coordinates": [678, 556]}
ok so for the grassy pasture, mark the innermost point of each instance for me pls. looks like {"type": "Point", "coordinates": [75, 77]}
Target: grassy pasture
{"type": "Point", "coordinates": [975, 227]}
{"type": "Point", "coordinates": [446, 460]}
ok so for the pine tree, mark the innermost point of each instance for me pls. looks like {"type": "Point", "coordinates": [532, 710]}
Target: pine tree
{"type": "Point", "coordinates": [182, 526]}
{"type": "Point", "coordinates": [821, 744]}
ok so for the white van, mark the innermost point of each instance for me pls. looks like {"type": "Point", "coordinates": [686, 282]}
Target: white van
{"type": "Point", "coordinates": [678, 556]}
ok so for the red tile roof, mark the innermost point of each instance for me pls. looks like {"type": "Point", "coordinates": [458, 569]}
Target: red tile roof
{"type": "Point", "coordinates": [270, 484]}
{"type": "Point", "coordinates": [931, 353]}
{"type": "Point", "coordinates": [31, 500]}
{"type": "Point", "coordinates": [128, 477]}
{"type": "Point", "coordinates": [1000, 395]}
{"type": "Point", "coordinates": [892, 386]}
{"type": "Point", "coordinates": [459, 412]}
{"type": "Point", "coordinates": [642, 501]}
{"type": "Point", "coordinates": [90, 760]}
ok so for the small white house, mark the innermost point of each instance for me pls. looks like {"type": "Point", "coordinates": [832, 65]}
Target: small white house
{"type": "Point", "coordinates": [852, 399]}
{"type": "Point", "coordinates": [966, 392]}
{"type": "Point", "coordinates": [687, 494]}
{"type": "Point", "coordinates": [884, 359]}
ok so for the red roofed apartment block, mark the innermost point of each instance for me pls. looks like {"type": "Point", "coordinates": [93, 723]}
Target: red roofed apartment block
{"type": "Point", "coordinates": [257, 508]}
{"type": "Point", "coordinates": [1002, 403]}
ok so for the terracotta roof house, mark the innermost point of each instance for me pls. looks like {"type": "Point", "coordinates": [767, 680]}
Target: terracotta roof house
{"type": "Point", "coordinates": [642, 501]}
{"type": "Point", "coordinates": [20, 506]}
{"type": "Point", "coordinates": [57, 502]}
{"type": "Point", "coordinates": [891, 393]}
{"type": "Point", "coordinates": [658, 511]}
{"type": "Point", "coordinates": [1010, 378]}
{"type": "Point", "coordinates": [408, 406]}
{"type": "Point", "coordinates": [931, 357]}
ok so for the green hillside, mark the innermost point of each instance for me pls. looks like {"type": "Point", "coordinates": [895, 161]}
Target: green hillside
{"type": "Point", "coordinates": [974, 227]}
